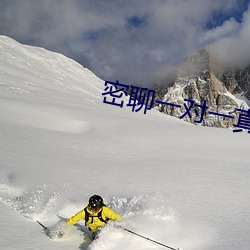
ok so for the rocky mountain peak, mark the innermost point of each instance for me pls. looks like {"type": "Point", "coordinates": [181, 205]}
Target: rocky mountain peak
{"type": "Point", "coordinates": [196, 64]}
{"type": "Point", "coordinates": [237, 81]}
{"type": "Point", "coordinates": [197, 82]}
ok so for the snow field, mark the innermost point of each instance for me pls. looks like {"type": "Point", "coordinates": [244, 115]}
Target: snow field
{"type": "Point", "coordinates": [185, 186]}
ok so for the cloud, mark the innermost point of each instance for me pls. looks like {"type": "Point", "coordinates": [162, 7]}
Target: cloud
{"type": "Point", "coordinates": [130, 41]}
{"type": "Point", "coordinates": [228, 28]}
{"type": "Point", "coordinates": [232, 50]}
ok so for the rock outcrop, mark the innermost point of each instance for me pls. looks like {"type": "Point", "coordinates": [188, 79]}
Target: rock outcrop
{"type": "Point", "coordinates": [197, 82]}
{"type": "Point", "coordinates": [237, 81]}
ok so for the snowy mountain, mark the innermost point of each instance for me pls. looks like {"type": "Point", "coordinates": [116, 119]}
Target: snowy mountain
{"type": "Point", "coordinates": [197, 81]}
{"type": "Point", "coordinates": [237, 81]}
{"type": "Point", "coordinates": [183, 185]}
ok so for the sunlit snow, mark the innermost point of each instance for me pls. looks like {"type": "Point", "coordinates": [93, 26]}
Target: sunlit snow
{"type": "Point", "coordinates": [183, 185]}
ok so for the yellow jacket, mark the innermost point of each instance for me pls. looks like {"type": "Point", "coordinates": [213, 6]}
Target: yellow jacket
{"type": "Point", "coordinates": [94, 223]}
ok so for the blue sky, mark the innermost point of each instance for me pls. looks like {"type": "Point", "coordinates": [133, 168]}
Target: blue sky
{"type": "Point", "coordinates": [218, 17]}
{"type": "Point", "coordinates": [133, 41]}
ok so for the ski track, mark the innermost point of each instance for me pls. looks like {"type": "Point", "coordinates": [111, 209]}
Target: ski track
{"type": "Point", "coordinates": [145, 214]}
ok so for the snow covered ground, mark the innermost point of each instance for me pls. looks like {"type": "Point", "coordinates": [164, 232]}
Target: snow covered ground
{"type": "Point", "coordinates": [183, 185]}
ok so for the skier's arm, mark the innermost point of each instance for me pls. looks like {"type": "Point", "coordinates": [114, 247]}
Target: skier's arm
{"type": "Point", "coordinates": [77, 217]}
{"type": "Point", "coordinates": [110, 214]}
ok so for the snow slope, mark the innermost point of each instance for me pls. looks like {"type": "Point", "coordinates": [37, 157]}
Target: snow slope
{"type": "Point", "coordinates": [183, 185]}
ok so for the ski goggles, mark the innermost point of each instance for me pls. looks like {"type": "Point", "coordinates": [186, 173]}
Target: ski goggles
{"type": "Point", "coordinates": [94, 208]}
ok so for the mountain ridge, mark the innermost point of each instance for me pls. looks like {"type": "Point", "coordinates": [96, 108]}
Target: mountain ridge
{"type": "Point", "coordinates": [197, 80]}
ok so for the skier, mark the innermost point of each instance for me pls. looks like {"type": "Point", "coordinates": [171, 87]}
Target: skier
{"type": "Point", "coordinates": [95, 214]}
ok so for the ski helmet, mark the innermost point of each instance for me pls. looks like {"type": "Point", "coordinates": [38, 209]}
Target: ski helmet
{"type": "Point", "coordinates": [95, 202]}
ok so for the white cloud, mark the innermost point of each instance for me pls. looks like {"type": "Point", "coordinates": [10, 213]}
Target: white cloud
{"type": "Point", "coordinates": [98, 33]}
{"type": "Point", "coordinates": [233, 50]}
{"type": "Point", "coordinates": [228, 28]}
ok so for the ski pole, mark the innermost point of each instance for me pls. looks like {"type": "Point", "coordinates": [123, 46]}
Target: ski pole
{"type": "Point", "coordinates": [146, 238]}
{"type": "Point", "coordinates": [45, 228]}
